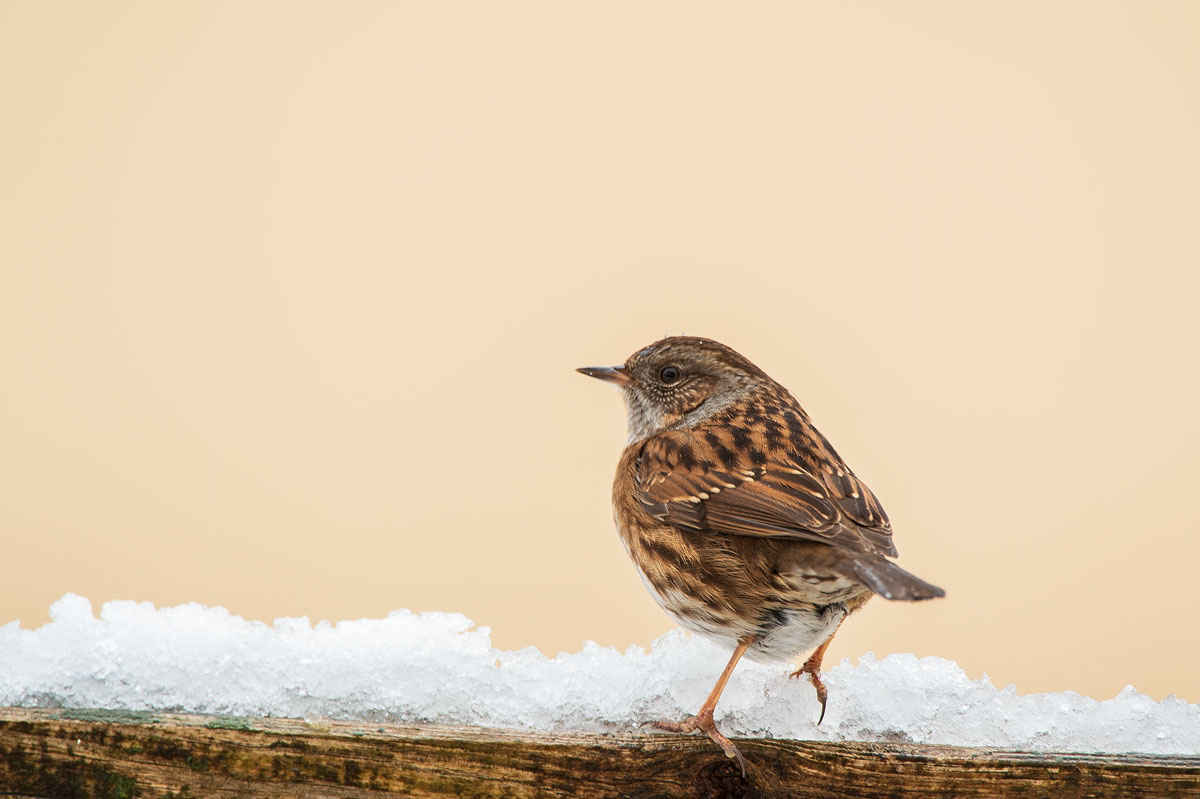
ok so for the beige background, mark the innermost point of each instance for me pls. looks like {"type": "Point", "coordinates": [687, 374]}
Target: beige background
{"type": "Point", "coordinates": [292, 293]}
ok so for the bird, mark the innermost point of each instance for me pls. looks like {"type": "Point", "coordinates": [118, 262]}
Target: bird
{"type": "Point", "coordinates": [743, 521]}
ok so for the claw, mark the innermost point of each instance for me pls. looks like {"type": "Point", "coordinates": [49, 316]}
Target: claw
{"type": "Point", "coordinates": [687, 725]}
{"type": "Point", "coordinates": [814, 675]}
{"type": "Point", "coordinates": [812, 667]}
{"type": "Point", "coordinates": [705, 722]}
{"type": "Point", "coordinates": [822, 696]}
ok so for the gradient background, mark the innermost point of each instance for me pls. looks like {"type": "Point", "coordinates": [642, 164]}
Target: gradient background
{"type": "Point", "coordinates": [292, 292]}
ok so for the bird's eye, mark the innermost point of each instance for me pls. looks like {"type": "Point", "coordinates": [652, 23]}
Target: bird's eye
{"type": "Point", "coordinates": [669, 374]}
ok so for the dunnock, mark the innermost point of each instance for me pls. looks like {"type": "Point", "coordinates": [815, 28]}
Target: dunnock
{"type": "Point", "coordinates": [745, 524]}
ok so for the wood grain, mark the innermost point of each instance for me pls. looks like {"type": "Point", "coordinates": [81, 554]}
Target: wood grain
{"type": "Point", "coordinates": [115, 755]}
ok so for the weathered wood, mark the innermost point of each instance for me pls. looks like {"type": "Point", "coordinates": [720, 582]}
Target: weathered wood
{"type": "Point", "coordinates": [115, 755]}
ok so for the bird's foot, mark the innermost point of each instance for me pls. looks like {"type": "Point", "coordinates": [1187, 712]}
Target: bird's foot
{"type": "Point", "coordinates": [704, 721]}
{"type": "Point", "coordinates": [814, 674]}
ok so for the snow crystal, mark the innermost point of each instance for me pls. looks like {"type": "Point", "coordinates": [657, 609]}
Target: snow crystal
{"type": "Point", "coordinates": [437, 667]}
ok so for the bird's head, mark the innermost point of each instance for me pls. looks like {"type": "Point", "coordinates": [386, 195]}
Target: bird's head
{"type": "Point", "coordinates": [678, 382]}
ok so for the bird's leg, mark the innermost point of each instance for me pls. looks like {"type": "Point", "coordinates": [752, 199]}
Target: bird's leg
{"type": "Point", "coordinates": [812, 667]}
{"type": "Point", "coordinates": [704, 719]}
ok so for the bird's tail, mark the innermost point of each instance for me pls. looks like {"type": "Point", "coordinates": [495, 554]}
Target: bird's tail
{"type": "Point", "coordinates": [890, 581]}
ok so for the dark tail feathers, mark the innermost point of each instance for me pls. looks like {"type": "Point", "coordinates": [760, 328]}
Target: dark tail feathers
{"type": "Point", "coordinates": [890, 581]}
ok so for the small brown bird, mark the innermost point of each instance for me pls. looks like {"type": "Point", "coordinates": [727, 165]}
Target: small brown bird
{"type": "Point", "coordinates": [745, 524]}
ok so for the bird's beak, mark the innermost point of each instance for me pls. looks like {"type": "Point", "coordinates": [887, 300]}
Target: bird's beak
{"type": "Point", "coordinates": [612, 374]}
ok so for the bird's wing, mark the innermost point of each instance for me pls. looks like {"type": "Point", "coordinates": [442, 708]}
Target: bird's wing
{"type": "Point", "coordinates": [772, 495]}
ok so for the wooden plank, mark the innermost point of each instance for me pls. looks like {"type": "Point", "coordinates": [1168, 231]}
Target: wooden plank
{"type": "Point", "coordinates": [115, 755]}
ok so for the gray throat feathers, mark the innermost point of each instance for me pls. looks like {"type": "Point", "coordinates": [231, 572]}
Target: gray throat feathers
{"type": "Point", "coordinates": [643, 419]}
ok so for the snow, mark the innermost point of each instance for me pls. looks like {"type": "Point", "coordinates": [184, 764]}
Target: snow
{"type": "Point", "coordinates": [438, 667]}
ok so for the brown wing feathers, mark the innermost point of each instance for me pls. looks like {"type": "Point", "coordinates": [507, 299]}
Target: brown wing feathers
{"type": "Point", "coordinates": [780, 489]}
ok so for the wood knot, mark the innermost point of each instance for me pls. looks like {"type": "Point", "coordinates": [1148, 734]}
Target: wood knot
{"type": "Point", "coordinates": [721, 779]}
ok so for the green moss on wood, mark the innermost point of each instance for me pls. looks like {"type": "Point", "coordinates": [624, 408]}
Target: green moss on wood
{"type": "Point", "coordinates": [107, 715]}
{"type": "Point", "coordinates": [229, 723]}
